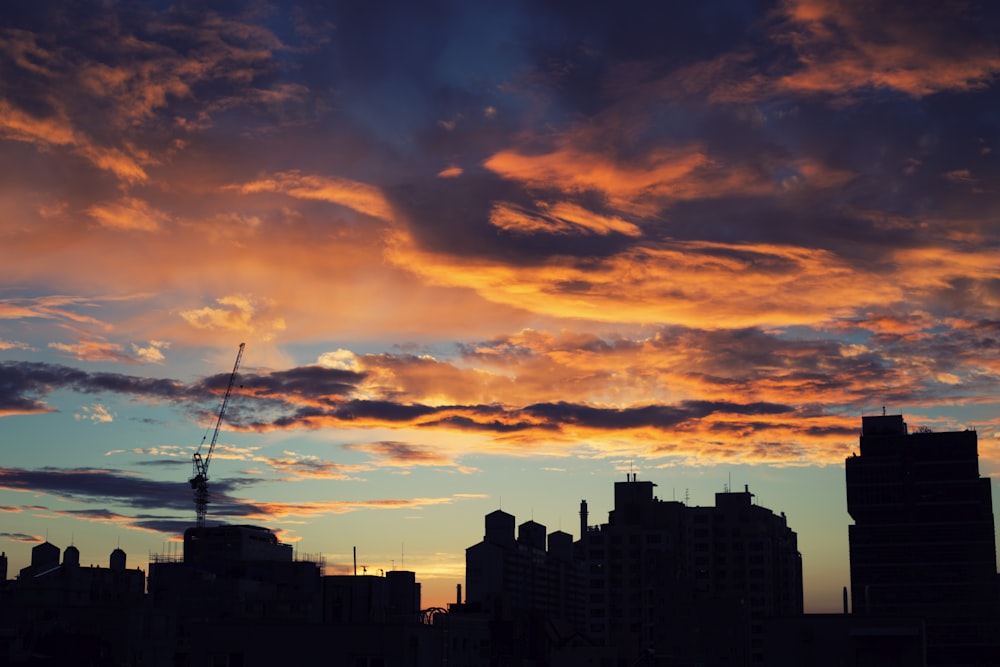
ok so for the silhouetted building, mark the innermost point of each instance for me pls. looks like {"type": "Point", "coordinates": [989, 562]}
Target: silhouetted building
{"type": "Point", "coordinates": [522, 585]}
{"type": "Point", "coordinates": [237, 597]}
{"type": "Point", "coordinates": [55, 613]}
{"type": "Point", "coordinates": [922, 544]}
{"type": "Point", "coordinates": [227, 543]}
{"type": "Point", "coordinates": [843, 640]}
{"type": "Point", "coordinates": [44, 557]}
{"type": "Point", "coordinates": [237, 572]}
{"type": "Point", "coordinates": [678, 585]}
{"type": "Point", "coordinates": [240, 597]}
{"type": "Point", "coordinates": [659, 584]}
{"type": "Point", "coordinates": [360, 599]}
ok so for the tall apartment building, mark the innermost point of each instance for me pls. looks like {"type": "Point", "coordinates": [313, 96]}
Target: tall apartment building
{"type": "Point", "coordinates": [660, 583]}
{"type": "Point", "coordinates": [522, 584]}
{"type": "Point", "coordinates": [923, 544]}
{"type": "Point", "coordinates": [672, 584]}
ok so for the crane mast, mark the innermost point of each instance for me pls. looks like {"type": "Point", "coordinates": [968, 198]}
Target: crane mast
{"type": "Point", "coordinates": [199, 480]}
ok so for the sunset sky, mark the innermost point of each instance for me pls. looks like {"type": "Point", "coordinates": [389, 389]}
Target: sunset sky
{"type": "Point", "coordinates": [484, 255]}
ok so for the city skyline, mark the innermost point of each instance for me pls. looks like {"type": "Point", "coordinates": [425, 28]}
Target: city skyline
{"type": "Point", "coordinates": [484, 257]}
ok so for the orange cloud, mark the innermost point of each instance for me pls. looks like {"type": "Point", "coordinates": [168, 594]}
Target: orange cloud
{"type": "Point", "coordinates": [640, 186]}
{"type": "Point", "coordinates": [664, 173]}
{"type": "Point", "coordinates": [278, 510]}
{"type": "Point", "coordinates": [152, 353]}
{"type": "Point", "coordinates": [299, 466]}
{"type": "Point", "coordinates": [239, 313]}
{"type": "Point", "coordinates": [14, 345]}
{"type": "Point", "coordinates": [745, 285]}
{"type": "Point", "coordinates": [355, 195]}
{"type": "Point", "coordinates": [843, 48]}
{"type": "Point", "coordinates": [451, 171]}
{"type": "Point", "coordinates": [94, 350]}
{"type": "Point", "coordinates": [50, 307]}
{"type": "Point", "coordinates": [405, 455]}
{"type": "Point", "coordinates": [128, 214]}
{"type": "Point", "coordinates": [20, 126]}
{"type": "Point", "coordinates": [147, 75]}
{"type": "Point", "coordinates": [559, 218]}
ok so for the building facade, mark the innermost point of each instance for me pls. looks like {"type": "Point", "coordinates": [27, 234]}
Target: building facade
{"type": "Point", "coordinates": [522, 586]}
{"type": "Point", "coordinates": [57, 611]}
{"type": "Point", "coordinates": [660, 583]}
{"type": "Point", "coordinates": [922, 543]}
{"type": "Point", "coordinates": [673, 584]}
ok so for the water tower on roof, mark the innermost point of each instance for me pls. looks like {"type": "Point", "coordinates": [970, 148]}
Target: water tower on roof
{"type": "Point", "coordinates": [117, 563]}
{"type": "Point", "coordinates": [44, 556]}
{"type": "Point", "coordinates": [71, 557]}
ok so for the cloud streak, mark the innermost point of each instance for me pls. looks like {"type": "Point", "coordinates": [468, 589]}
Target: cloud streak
{"type": "Point", "coordinates": [677, 384]}
{"type": "Point", "coordinates": [132, 493]}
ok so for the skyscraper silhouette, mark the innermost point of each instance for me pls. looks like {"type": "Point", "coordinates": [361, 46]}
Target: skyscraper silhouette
{"type": "Point", "coordinates": [660, 583]}
{"type": "Point", "coordinates": [675, 584]}
{"type": "Point", "coordinates": [922, 544]}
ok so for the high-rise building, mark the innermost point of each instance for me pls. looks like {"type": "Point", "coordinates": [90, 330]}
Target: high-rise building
{"type": "Point", "coordinates": [674, 584]}
{"type": "Point", "coordinates": [522, 584]}
{"type": "Point", "coordinates": [922, 543]}
{"type": "Point", "coordinates": [506, 576]}
{"type": "Point", "coordinates": [660, 583]}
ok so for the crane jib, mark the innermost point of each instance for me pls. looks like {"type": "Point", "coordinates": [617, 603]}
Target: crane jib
{"type": "Point", "coordinates": [199, 480]}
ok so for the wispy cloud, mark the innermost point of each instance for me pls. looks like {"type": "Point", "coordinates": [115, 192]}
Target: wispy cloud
{"type": "Point", "coordinates": [21, 537]}
{"type": "Point", "coordinates": [361, 197]}
{"type": "Point", "coordinates": [129, 214]}
{"type": "Point", "coordinates": [126, 492]}
{"type": "Point", "coordinates": [842, 51]}
{"type": "Point", "coordinates": [95, 413]}
{"type": "Point", "coordinates": [678, 383]}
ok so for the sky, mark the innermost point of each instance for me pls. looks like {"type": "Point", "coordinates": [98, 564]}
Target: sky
{"type": "Point", "coordinates": [484, 255]}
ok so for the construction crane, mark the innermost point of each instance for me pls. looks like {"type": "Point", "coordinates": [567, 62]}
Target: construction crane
{"type": "Point", "coordinates": [199, 482]}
